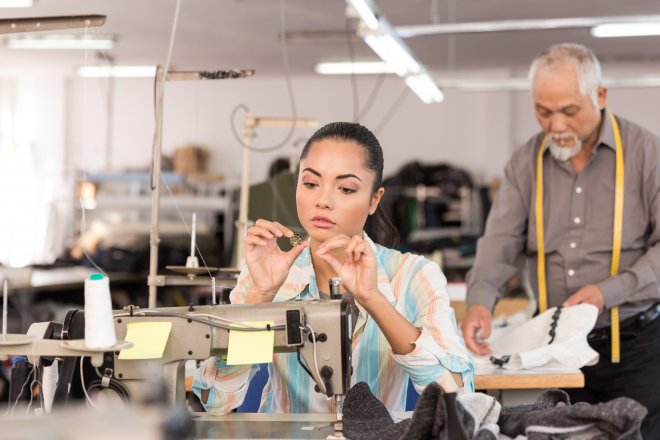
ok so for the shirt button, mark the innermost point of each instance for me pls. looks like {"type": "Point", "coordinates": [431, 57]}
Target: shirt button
{"type": "Point", "coordinates": [577, 220]}
{"type": "Point", "coordinates": [573, 245]}
{"type": "Point", "coordinates": [578, 190]}
{"type": "Point", "coordinates": [571, 272]}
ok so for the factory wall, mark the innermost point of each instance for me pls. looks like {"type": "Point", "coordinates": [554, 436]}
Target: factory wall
{"type": "Point", "coordinates": [473, 130]}
{"type": "Point", "coordinates": [469, 130]}
{"type": "Point", "coordinates": [66, 127]}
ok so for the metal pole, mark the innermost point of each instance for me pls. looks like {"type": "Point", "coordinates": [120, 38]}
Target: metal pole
{"type": "Point", "coordinates": [241, 225]}
{"type": "Point", "coordinates": [154, 239]}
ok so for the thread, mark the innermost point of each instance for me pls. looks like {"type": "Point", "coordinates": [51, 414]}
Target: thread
{"type": "Point", "coordinates": [99, 327]}
{"type": "Point", "coordinates": [4, 311]}
{"type": "Point", "coordinates": [49, 383]}
{"type": "Point", "coordinates": [18, 380]}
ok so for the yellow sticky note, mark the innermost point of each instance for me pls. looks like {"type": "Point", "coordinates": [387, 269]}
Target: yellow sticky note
{"type": "Point", "coordinates": [148, 338]}
{"type": "Point", "coordinates": [253, 347]}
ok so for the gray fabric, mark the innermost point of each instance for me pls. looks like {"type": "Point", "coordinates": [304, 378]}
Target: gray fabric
{"type": "Point", "coordinates": [365, 417]}
{"type": "Point", "coordinates": [583, 246]}
{"type": "Point", "coordinates": [437, 415]}
{"type": "Point", "coordinates": [553, 417]}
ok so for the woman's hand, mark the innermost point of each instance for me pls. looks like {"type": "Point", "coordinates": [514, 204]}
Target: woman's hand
{"type": "Point", "coordinates": [267, 263]}
{"type": "Point", "coordinates": [355, 263]}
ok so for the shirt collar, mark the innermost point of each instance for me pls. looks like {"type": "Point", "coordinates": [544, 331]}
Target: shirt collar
{"type": "Point", "coordinates": [606, 135]}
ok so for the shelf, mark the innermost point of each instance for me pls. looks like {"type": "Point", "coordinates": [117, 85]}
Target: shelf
{"type": "Point", "coordinates": [187, 203]}
{"type": "Point", "coordinates": [143, 177]}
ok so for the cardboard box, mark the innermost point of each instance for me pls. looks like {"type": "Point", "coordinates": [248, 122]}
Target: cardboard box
{"type": "Point", "coordinates": [190, 159]}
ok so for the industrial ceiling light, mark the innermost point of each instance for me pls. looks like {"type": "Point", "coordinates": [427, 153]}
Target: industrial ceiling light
{"type": "Point", "coordinates": [116, 71]}
{"type": "Point", "coordinates": [394, 53]}
{"type": "Point", "coordinates": [519, 25]}
{"type": "Point", "coordinates": [425, 87]}
{"type": "Point", "coordinates": [15, 3]}
{"type": "Point", "coordinates": [357, 68]}
{"type": "Point", "coordinates": [365, 9]}
{"type": "Point", "coordinates": [522, 84]}
{"type": "Point", "coordinates": [385, 42]}
{"type": "Point", "coordinates": [626, 29]}
{"type": "Point", "coordinates": [60, 42]}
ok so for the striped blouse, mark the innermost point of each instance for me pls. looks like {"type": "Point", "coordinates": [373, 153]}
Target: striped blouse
{"type": "Point", "coordinates": [414, 285]}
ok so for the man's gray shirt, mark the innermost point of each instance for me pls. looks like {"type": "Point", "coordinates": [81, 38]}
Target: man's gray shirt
{"type": "Point", "coordinates": [578, 215]}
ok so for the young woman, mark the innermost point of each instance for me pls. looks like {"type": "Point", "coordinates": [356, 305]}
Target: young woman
{"type": "Point", "coordinates": [406, 327]}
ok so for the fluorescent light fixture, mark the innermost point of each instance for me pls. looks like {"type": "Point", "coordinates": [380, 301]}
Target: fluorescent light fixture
{"type": "Point", "coordinates": [485, 84]}
{"type": "Point", "coordinates": [60, 42]}
{"type": "Point", "coordinates": [358, 68]}
{"type": "Point", "coordinates": [518, 25]}
{"type": "Point", "coordinates": [365, 10]}
{"type": "Point", "coordinates": [425, 87]}
{"type": "Point", "coordinates": [394, 53]}
{"type": "Point", "coordinates": [626, 29]}
{"type": "Point", "coordinates": [521, 84]}
{"type": "Point", "coordinates": [15, 3]}
{"type": "Point", "coordinates": [116, 71]}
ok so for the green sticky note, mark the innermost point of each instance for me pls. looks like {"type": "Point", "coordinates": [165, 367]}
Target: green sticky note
{"type": "Point", "coordinates": [253, 347]}
{"type": "Point", "coordinates": [148, 338]}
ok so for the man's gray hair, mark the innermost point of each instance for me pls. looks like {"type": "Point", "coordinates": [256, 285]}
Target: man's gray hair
{"type": "Point", "coordinates": [587, 66]}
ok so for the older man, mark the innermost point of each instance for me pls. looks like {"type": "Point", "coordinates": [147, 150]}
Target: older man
{"type": "Point", "coordinates": [593, 178]}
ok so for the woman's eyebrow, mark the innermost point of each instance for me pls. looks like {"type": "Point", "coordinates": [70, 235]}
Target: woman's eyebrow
{"type": "Point", "coordinates": [341, 176]}
{"type": "Point", "coordinates": [313, 171]}
{"type": "Point", "coordinates": [346, 176]}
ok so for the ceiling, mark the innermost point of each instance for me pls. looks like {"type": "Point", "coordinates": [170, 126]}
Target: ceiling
{"type": "Point", "coordinates": [223, 34]}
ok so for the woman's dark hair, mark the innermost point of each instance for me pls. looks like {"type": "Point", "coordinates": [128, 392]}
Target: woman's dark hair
{"type": "Point", "coordinates": [378, 226]}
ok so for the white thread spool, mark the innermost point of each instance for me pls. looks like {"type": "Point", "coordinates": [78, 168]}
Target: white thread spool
{"type": "Point", "coordinates": [99, 327]}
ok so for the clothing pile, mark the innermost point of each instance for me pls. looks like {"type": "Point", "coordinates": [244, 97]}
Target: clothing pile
{"type": "Point", "coordinates": [555, 339]}
{"type": "Point", "coordinates": [477, 416]}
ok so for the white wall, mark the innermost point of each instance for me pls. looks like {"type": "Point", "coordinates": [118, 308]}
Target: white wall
{"type": "Point", "coordinates": [467, 130]}
{"type": "Point", "coordinates": [476, 131]}
{"type": "Point", "coordinates": [32, 162]}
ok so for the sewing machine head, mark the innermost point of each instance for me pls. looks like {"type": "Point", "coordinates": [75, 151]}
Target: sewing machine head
{"type": "Point", "coordinates": [200, 332]}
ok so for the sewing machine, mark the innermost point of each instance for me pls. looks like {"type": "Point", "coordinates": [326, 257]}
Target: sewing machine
{"type": "Point", "coordinates": [199, 332]}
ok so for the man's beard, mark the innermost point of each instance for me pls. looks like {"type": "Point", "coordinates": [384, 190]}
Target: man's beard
{"type": "Point", "coordinates": [564, 146]}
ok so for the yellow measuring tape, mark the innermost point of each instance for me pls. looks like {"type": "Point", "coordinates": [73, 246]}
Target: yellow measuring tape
{"type": "Point", "coordinates": [617, 232]}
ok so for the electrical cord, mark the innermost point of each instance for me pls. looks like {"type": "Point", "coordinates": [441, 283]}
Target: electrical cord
{"type": "Point", "coordinates": [34, 375]}
{"type": "Point", "coordinates": [82, 383]}
{"type": "Point", "coordinates": [108, 383]}
{"type": "Point", "coordinates": [393, 109]}
{"type": "Point", "coordinates": [316, 362]}
{"type": "Point", "coordinates": [35, 381]}
{"type": "Point", "coordinates": [372, 96]}
{"type": "Point", "coordinates": [287, 72]}
{"type": "Point", "coordinates": [27, 381]}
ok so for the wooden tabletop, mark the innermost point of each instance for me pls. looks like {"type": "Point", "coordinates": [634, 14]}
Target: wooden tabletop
{"type": "Point", "coordinates": [513, 380]}
{"type": "Point", "coordinates": [521, 379]}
